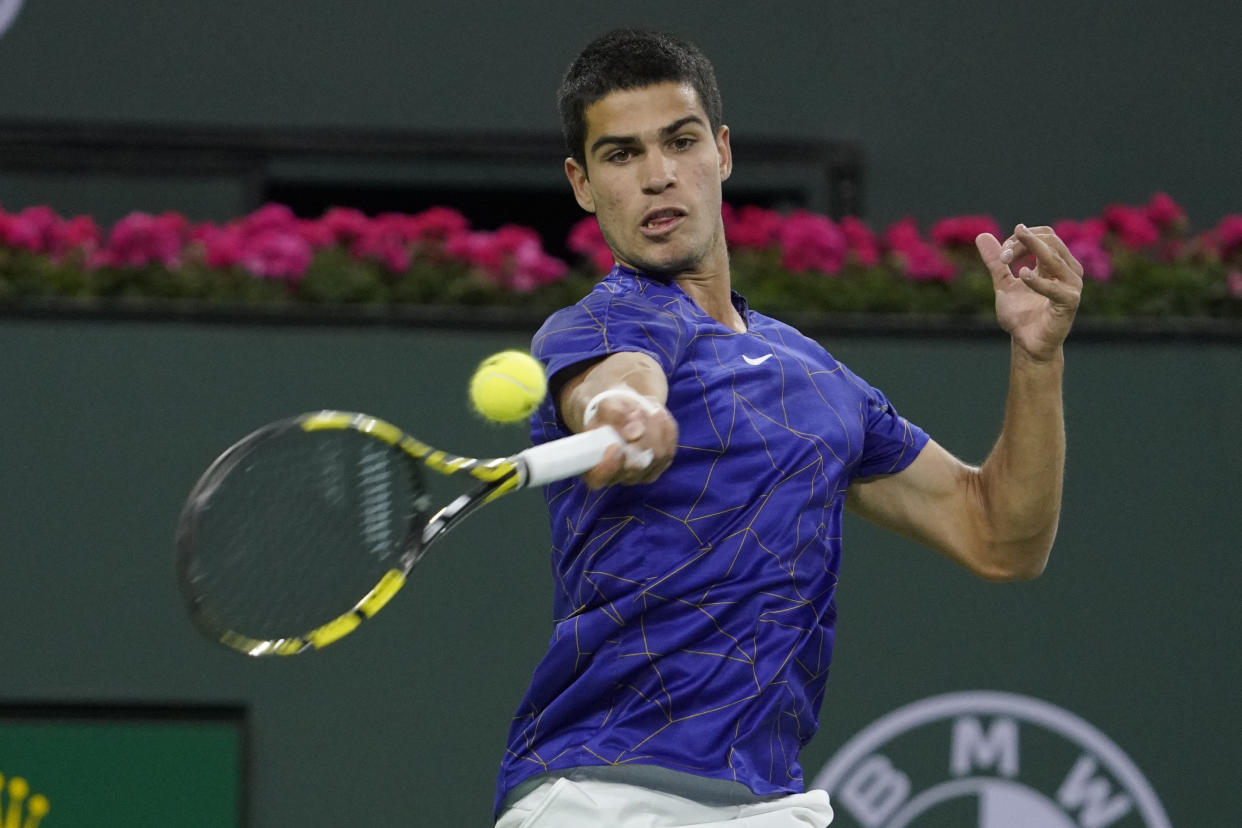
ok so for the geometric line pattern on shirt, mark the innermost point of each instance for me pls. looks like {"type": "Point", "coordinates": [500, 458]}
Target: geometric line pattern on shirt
{"type": "Point", "coordinates": [708, 593]}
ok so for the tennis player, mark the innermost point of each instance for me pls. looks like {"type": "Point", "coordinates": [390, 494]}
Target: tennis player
{"type": "Point", "coordinates": [694, 596]}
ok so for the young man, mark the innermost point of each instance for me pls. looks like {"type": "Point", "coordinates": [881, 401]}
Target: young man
{"type": "Point", "coordinates": [694, 609]}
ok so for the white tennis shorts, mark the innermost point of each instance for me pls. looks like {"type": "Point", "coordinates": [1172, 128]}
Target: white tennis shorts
{"type": "Point", "coordinates": [567, 803]}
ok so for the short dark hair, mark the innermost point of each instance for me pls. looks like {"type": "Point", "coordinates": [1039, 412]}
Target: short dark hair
{"type": "Point", "coordinates": [631, 59]}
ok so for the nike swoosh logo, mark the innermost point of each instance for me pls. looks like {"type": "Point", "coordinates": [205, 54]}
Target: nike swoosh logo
{"type": "Point", "coordinates": [756, 360]}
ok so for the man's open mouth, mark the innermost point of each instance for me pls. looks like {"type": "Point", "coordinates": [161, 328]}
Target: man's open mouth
{"type": "Point", "coordinates": [661, 220]}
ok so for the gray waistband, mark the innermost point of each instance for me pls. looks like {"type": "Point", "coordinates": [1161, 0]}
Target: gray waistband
{"type": "Point", "coordinates": [702, 789]}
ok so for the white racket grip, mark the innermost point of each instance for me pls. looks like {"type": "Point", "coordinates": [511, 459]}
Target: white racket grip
{"type": "Point", "coordinates": [571, 456]}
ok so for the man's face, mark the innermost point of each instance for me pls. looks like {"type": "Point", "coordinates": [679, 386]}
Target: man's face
{"type": "Point", "coordinates": [652, 178]}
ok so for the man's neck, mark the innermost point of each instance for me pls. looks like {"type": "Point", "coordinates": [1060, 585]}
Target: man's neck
{"type": "Point", "coordinates": [711, 288]}
{"type": "Point", "coordinates": [714, 295]}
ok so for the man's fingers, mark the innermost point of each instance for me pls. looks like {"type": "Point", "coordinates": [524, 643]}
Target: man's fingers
{"type": "Point", "coordinates": [627, 467]}
{"type": "Point", "coordinates": [1013, 249]}
{"type": "Point", "coordinates": [1051, 254]}
{"type": "Point", "coordinates": [1059, 292]}
{"type": "Point", "coordinates": [990, 250]}
{"type": "Point", "coordinates": [1059, 246]}
{"type": "Point", "coordinates": [605, 470]}
{"type": "Point", "coordinates": [651, 441]}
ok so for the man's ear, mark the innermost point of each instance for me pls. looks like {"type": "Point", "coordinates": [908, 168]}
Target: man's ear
{"type": "Point", "coordinates": [726, 153]}
{"type": "Point", "coordinates": [577, 175]}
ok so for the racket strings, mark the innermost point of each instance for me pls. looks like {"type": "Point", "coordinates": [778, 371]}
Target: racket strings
{"type": "Point", "coordinates": [299, 529]}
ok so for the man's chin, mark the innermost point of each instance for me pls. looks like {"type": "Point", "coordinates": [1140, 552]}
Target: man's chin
{"type": "Point", "coordinates": [666, 269]}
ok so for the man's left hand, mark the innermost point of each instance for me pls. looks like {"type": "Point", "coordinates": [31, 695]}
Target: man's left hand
{"type": "Point", "coordinates": [1035, 306]}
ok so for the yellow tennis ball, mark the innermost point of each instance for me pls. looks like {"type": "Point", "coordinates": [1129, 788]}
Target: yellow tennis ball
{"type": "Point", "coordinates": [508, 386]}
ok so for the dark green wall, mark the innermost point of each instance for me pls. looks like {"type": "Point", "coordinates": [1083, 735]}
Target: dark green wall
{"type": "Point", "coordinates": [1031, 112]}
{"type": "Point", "coordinates": [107, 424]}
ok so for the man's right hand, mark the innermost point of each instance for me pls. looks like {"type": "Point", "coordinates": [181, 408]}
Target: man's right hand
{"type": "Point", "coordinates": [626, 391]}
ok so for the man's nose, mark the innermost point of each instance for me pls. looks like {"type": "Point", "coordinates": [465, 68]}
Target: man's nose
{"type": "Point", "coordinates": [659, 173]}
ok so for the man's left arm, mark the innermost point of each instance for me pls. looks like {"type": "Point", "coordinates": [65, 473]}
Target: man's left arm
{"type": "Point", "coordinates": [999, 519]}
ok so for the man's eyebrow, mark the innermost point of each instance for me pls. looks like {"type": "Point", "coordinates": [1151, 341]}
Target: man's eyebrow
{"type": "Point", "coordinates": [675, 126]}
{"type": "Point", "coordinates": [628, 140]}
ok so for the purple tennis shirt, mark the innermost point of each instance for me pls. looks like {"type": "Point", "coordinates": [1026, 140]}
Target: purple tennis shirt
{"type": "Point", "coordinates": [694, 616]}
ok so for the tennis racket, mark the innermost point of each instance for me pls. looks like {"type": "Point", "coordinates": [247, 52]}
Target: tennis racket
{"type": "Point", "coordinates": [307, 527]}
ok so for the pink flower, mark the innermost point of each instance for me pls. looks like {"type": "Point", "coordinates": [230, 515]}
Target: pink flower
{"type": "Point", "coordinates": [140, 239]}
{"type": "Point", "coordinates": [34, 229]}
{"type": "Point", "coordinates": [316, 233]}
{"type": "Point", "coordinates": [811, 242]}
{"type": "Point", "coordinates": [1092, 230]}
{"type": "Point", "coordinates": [533, 268]}
{"type": "Point", "coordinates": [437, 224]}
{"type": "Point", "coordinates": [903, 234]}
{"type": "Point", "coordinates": [1095, 261]}
{"type": "Point", "coordinates": [751, 227]}
{"type": "Point", "coordinates": [1165, 213]}
{"type": "Point", "coordinates": [200, 231]}
{"type": "Point", "coordinates": [269, 217]}
{"type": "Point", "coordinates": [345, 224]}
{"type": "Point", "coordinates": [1132, 226]}
{"type": "Point", "coordinates": [512, 256]}
{"type": "Point", "coordinates": [863, 245]}
{"type": "Point", "coordinates": [475, 248]}
{"type": "Point", "coordinates": [386, 240]}
{"type": "Point", "coordinates": [80, 233]}
{"type": "Point", "coordinates": [922, 262]}
{"type": "Point", "coordinates": [918, 259]}
{"type": "Point", "coordinates": [587, 241]}
{"type": "Point", "coordinates": [276, 254]}
{"type": "Point", "coordinates": [961, 231]}
{"type": "Point", "coordinates": [1229, 236]}
{"type": "Point", "coordinates": [41, 230]}
{"type": "Point", "coordinates": [223, 247]}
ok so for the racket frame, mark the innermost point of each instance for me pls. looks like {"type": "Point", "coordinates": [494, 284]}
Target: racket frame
{"type": "Point", "coordinates": [535, 466]}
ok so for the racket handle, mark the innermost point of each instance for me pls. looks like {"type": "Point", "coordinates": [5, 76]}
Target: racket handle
{"type": "Point", "coordinates": [570, 456]}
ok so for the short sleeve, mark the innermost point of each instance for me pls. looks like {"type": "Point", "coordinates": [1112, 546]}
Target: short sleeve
{"type": "Point", "coordinates": [607, 322]}
{"type": "Point", "coordinates": [890, 442]}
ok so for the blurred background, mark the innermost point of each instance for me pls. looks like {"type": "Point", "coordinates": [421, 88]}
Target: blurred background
{"type": "Point", "coordinates": [1029, 113]}
{"type": "Point", "coordinates": [881, 109]}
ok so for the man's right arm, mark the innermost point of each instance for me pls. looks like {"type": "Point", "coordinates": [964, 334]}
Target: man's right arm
{"type": "Point", "coordinates": [627, 391]}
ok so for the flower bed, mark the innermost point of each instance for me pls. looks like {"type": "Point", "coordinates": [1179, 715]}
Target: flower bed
{"type": "Point", "coordinates": [1139, 261]}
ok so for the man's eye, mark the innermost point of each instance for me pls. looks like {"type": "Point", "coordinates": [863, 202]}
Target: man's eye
{"type": "Point", "coordinates": [619, 157]}
{"type": "Point", "coordinates": [683, 142]}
